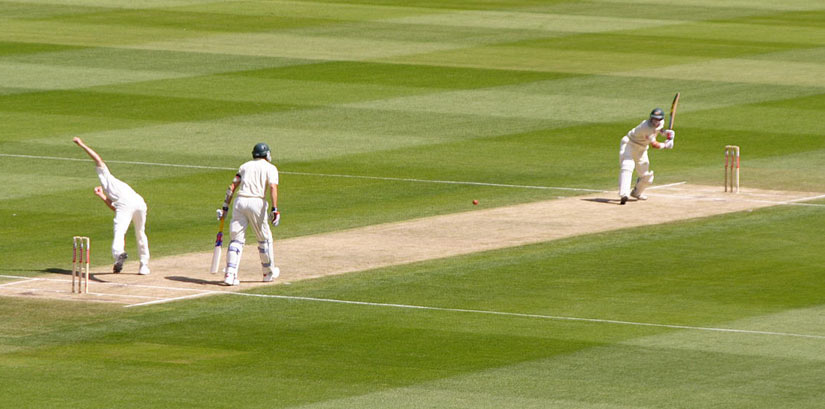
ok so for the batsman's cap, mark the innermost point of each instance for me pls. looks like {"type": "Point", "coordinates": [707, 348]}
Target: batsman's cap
{"type": "Point", "coordinates": [260, 150]}
{"type": "Point", "coordinates": [657, 113]}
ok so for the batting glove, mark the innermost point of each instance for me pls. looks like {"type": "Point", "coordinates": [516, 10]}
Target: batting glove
{"type": "Point", "coordinates": [222, 212]}
{"type": "Point", "coordinates": [670, 134]}
{"type": "Point", "coordinates": [276, 216]}
{"type": "Point", "coordinates": [669, 144]}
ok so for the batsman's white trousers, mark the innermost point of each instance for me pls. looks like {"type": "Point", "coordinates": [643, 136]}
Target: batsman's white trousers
{"type": "Point", "coordinates": [249, 211]}
{"type": "Point", "coordinates": [633, 156]}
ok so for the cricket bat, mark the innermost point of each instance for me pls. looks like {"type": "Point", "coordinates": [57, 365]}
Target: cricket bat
{"type": "Point", "coordinates": [673, 107]}
{"type": "Point", "coordinates": [216, 254]}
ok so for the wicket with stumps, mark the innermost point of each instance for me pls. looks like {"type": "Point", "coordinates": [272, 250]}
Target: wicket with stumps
{"type": "Point", "coordinates": [732, 168]}
{"type": "Point", "coordinates": [80, 264]}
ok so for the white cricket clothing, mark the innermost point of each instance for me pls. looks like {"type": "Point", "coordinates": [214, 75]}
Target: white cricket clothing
{"type": "Point", "coordinates": [633, 155]}
{"type": "Point", "coordinates": [129, 208]}
{"type": "Point", "coordinates": [250, 209]}
{"type": "Point", "coordinates": [121, 194]}
{"type": "Point", "coordinates": [256, 176]}
{"type": "Point", "coordinates": [644, 133]}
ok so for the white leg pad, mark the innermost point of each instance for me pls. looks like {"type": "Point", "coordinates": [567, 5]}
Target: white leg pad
{"type": "Point", "coordinates": [626, 166]}
{"type": "Point", "coordinates": [643, 182]}
{"type": "Point", "coordinates": [625, 176]}
{"type": "Point", "coordinates": [267, 256]}
{"type": "Point", "coordinates": [233, 256]}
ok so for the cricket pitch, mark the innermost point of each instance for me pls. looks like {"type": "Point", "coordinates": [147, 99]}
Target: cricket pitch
{"type": "Point", "coordinates": [187, 276]}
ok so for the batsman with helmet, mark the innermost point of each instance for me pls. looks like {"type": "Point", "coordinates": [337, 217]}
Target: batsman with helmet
{"type": "Point", "coordinates": [633, 154]}
{"type": "Point", "coordinates": [253, 180]}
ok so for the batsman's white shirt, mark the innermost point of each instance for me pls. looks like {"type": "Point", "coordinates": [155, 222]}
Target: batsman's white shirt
{"type": "Point", "coordinates": [256, 176]}
{"type": "Point", "coordinates": [643, 134]}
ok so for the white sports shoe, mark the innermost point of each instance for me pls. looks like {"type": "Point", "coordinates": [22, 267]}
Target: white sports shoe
{"type": "Point", "coordinates": [272, 274]}
{"type": "Point", "coordinates": [231, 279]}
{"type": "Point", "coordinates": [144, 270]}
{"type": "Point", "coordinates": [638, 196]}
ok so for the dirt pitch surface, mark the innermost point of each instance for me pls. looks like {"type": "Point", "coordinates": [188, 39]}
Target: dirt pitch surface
{"type": "Point", "coordinates": [186, 276]}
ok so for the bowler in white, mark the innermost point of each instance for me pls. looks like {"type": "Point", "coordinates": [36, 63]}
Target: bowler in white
{"type": "Point", "coordinates": [129, 207]}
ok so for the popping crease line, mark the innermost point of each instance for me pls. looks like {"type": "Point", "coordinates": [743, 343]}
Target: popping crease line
{"type": "Point", "coordinates": [450, 182]}
{"type": "Point", "coordinates": [23, 280]}
{"type": "Point", "coordinates": [183, 297]}
{"type": "Point", "coordinates": [805, 199]}
{"type": "Point", "coordinates": [666, 186]}
{"type": "Point", "coordinates": [793, 202]}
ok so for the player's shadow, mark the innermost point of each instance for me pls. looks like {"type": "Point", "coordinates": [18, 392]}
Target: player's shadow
{"type": "Point", "coordinates": [54, 270]}
{"type": "Point", "coordinates": [194, 280]}
{"type": "Point", "coordinates": [604, 200]}
{"type": "Point", "coordinates": [63, 271]}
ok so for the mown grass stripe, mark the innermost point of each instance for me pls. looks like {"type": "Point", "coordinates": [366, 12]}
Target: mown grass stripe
{"type": "Point", "coordinates": [137, 107]}
{"type": "Point", "coordinates": [526, 315]}
{"type": "Point", "coordinates": [733, 70]}
{"type": "Point", "coordinates": [766, 5]}
{"type": "Point", "coordinates": [448, 182]}
{"type": "Point", "coordinates": [54, 77]}
{"type": "Point", "coordinates": [555, 23]}
{"type": "Point", "coordinates": [296, 46]}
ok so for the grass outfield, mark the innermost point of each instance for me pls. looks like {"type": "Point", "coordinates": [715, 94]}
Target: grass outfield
{"type": "Point", "coordinates": [364, 102]}
{"type": "Point", "coordinates": [260, 351]}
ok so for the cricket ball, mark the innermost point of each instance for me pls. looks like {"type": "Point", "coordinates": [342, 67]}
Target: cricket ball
{"type": "Point", "coordinates": [475, 202]}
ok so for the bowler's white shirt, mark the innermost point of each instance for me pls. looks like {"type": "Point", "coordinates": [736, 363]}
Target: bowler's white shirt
{"type": "Point", "coordinates": [121, 194]}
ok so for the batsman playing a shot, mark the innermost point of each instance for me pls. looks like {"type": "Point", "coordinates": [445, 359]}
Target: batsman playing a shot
{"type": "Point", "coordinates": [633, 154]}
{"type": "Point", "coordinates": [253, 180]}
{"type": "Point", "coordinates": [129, 207]}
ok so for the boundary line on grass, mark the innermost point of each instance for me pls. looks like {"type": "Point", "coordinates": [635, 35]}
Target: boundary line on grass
{"type": "Point", "coordinates": [330, 175]}
{"type": "Point", "coordinates": [200, 293]}
{"type": "Point", "coordinates": [540, 316]}
{"type": "Point", "coordinates": [497, 313]}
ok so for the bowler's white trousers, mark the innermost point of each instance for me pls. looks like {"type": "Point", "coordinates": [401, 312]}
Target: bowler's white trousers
{"type": "Point", "coordinates": [123, 216]}
{"type": "Point", "coordinates": [129, 208]}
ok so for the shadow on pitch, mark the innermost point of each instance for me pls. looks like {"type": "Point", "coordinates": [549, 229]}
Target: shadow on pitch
{"type": "Point", "coordinates": [92, 276]}
{"type": "Point", "coordinates": [54, 270]}
{"type": "Point", "coordinates": [605, 201]}
{"type": "Point", "coordinates": [194, 280]}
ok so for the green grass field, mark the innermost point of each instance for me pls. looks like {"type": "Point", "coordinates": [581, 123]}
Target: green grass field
{"type": "Point", "coordinates": [367, 104]}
